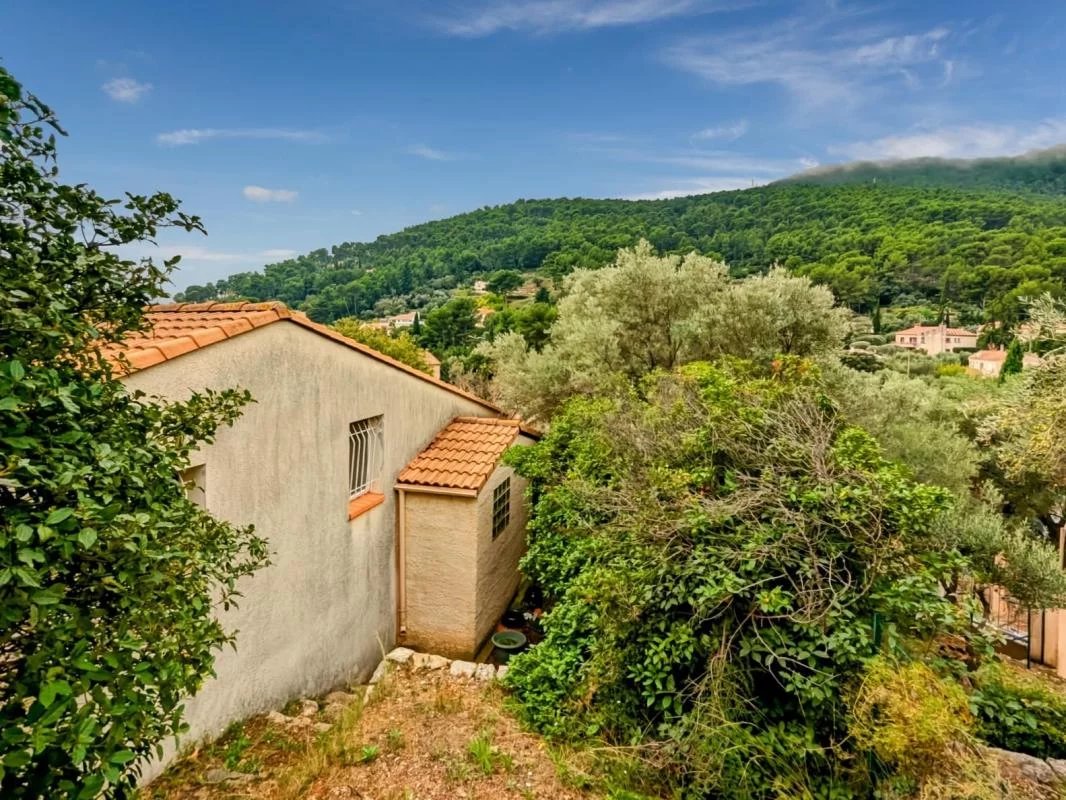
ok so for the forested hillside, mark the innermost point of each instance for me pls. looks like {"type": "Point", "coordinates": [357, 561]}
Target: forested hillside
{"type": "Point", "coordinates": [870, 243]}
{"type": "Point", "coordinates": [1041, 172]}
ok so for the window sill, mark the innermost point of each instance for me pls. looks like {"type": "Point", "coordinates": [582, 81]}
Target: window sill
{"type": "Point", "coordinates": [358, 506]}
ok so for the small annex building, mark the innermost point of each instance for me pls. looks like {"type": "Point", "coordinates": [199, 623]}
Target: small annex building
{"type": "Point", "coordinates": [314, 464]}
{"type": "Point", "coordinates": [462, 523]}
{"type": "Point", "coordinates": [989, 363]}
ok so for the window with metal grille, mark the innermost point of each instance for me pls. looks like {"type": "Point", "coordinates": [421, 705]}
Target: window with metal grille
{"type": "Point", "coordinates": [366, 452]}
{"type": "Point", "coordinates": [501, 507]}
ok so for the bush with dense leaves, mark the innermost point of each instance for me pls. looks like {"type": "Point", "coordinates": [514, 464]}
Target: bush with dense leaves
{"type": "Point", "coordinates": [1018, 712]}
{"type": "Point", "coordinates": [723, 552]}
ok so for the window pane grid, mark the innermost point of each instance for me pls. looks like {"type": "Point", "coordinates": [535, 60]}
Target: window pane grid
{"type": "Point", "coordinates": [365, 455]}
{"type": "Point", "coordinates": [501, 507]}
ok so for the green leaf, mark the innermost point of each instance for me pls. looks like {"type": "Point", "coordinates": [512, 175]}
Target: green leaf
{"type": "Point", "coordinates": [17, 758]}
{"type": "Point", "coordinates": [58, 516]}
{"type": "Point", "coordinates": [87, 537]}
{"type": "Point", "coordinates": [122, 757]}
{"type": "Point", "coordinates": [50, 691]}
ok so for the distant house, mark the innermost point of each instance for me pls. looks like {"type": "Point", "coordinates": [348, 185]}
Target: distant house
{"type": "Point", "coordinates": [405, 320]}
{"type": "Point", "coordinates": [481, 287]}
{"type": "Point", "coordinates": [988, 363]}
{"type": "Point", "coordinates": [314, 465]}
{"type": "Point", "coordinates": [935, 339]}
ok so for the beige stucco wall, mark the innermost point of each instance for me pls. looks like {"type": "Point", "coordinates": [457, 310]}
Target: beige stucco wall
{"type": "Point", "coordinates": [441, 541]}
{"type": "Point", "coordinates": [497, 559]}
{"type": "Point", "coordinates": [326, 608]}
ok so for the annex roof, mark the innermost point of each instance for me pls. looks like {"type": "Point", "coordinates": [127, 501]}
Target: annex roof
{"type": "Point", "coordinates": [463, 455]}
{"type": "Point", "coordinates": [179, 328]}
{"type": "Point", "coordinates": [989, 355]}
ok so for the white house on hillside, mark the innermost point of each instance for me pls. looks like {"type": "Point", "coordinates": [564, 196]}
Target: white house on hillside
{"type": "Point", "coordinates": [313, 463]}
{"type": "Point", "coordinates": [935, 339]}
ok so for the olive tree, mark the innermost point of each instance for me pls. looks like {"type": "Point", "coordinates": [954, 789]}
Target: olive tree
{"type": "Point", "coordinates": [109, 576]}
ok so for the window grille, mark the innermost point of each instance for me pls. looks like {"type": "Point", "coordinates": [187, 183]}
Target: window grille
{"type": "Point", "coordinates": [501, 507]}
{"type": "Point", "coordinates": [366, 452]}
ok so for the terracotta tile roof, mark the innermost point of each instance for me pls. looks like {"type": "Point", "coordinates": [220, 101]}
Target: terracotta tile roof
{"type": "Point", "coordinates": [930, 328]}
{"type": "Point", "coordinates": [179, 328]}
{"type": "Point", "coordinates": [988, 355]}
{"type": "Point", "coordinates": [463, 455]}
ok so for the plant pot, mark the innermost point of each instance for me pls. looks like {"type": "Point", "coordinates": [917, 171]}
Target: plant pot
{"type": "Point", "coordinates": [507, 643]}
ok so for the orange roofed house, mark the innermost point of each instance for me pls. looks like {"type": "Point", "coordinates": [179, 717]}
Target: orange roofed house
{"type": "Point", "coordinates": [936, 339]}
{"type": "Point", "coordinates": [378, 487]}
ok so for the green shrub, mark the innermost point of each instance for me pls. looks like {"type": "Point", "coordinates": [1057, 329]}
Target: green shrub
{"type": "Point", "coordinates": [909, 717]}
{"type": "Point", "coordinates": [691, 536]}
{"type": "Point", "coordinates": [1019, 712]}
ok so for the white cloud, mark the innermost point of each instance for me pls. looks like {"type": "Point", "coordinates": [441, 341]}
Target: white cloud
{"type": "Point", "coordinates": [260, 194]}
{"type": "Point", "coordinates": [910, 49]}
{"type": "Point", "coordinates": [817, 67]}
{"type": "Point", "coordinates": [430, 153]}
{"type": "Point", "coordinates": [187, 136]}
{"type": "Point", "coordinates": [126, 90]}
{"type": "Point", "coordinates": [729, 132]}
{"type": "Point", "coordinates": [690, 186]}
{"type": "Point", "coordinates": [551, 16]}
{"type": "Point", "coordinates": [197, 253]}
{"type": "Point", "coordinates": [356, 212]}
{"type": "Point", "coordinates": [978, 140]}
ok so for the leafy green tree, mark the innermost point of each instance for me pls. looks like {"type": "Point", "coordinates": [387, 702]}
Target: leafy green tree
{"type": "Point", "coordinates": [451, 329]}
{"type": "Point", "coordinates": [110, 576]}
{"type": "Point", "coordinates": [504, 281]}
{"type": "Point", "coordinates": [1020, 432]}
{"type": "Point", "coordinates": [401, 346]}
{"type": "Point", "coordinates": [1012, 363]}
{"type": "Point", "coordinates": [648, 312]}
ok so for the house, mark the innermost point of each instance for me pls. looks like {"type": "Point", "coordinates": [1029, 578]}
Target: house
{"type": "Point", "coordinates": [935, 339]}
{"type": "Point", "coordinates": [988, 363]}
{"type": "Point", "coordinates": [481, 287]}
{"type": "Point", "coordinates": [313, 464]}
{"type": "Point", "coordinates": [459, 509]}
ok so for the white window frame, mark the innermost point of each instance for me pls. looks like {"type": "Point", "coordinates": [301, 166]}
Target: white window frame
{"type": "Point", "coordinates": [366, 455]}
{"type": "Point", "coordinates": [501, 507]}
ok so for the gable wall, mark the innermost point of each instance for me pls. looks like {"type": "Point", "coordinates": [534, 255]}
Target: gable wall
{"type": "Point", "coordinates": [325, 609]}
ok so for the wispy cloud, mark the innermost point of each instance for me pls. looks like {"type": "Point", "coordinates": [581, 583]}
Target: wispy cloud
{"type": "Point", "coordinates": [260, 194]}
{"type": "Point", "coordinates": [820, 63]}
{"type": "Point", "coordinates": [126, 90]}
{"type": "Point", "coordinates": [742, 166]}
{"type": "Point", "coordinates": [552, 16]}
{"type": "Point", "coordinates": [977, 140]}
{"type": "Point", "coordinates": [690, 186]}
{"type": "Point", "coordinates": [198, 253]}
{"type": "Point", "coordinates": [430, 153]}
{"type": "Point", "coordinates": [187, 136]}
{"type": "Point", "coordinates": [727, 133]}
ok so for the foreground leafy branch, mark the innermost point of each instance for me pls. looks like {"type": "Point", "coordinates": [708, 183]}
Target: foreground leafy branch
{"type": "Point", "coordinates": [109, 576]}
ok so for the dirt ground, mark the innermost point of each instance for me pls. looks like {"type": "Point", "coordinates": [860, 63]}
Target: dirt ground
{"type": "Point", "coordinates": [424, 735]}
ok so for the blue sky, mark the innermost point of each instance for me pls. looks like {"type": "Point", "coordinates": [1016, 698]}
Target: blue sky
{"type": "Point", "coordinates": [295, 125]}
